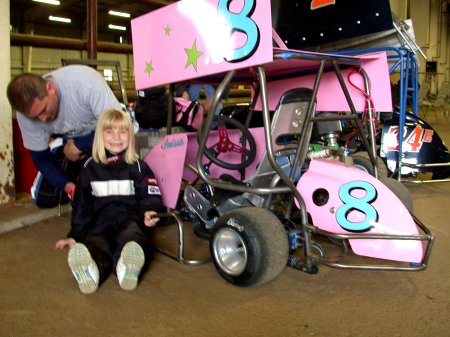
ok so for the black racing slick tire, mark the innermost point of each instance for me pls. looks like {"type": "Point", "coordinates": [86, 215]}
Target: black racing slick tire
{"type": "Point", "coordinates": [249, 246]}
{"type": "Point", "coordinates": [400, 191]}
{"type": "Point", "coordinates": [362, 161]}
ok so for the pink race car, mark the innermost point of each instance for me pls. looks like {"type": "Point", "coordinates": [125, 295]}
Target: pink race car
{"type": "Point", "coordinates": [262, 194]}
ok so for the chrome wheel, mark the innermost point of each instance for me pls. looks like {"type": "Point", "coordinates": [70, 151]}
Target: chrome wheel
{"type": "Point", "coordinates": [230, 251]}
{"type": "Point", "coordinates": [249, 246]}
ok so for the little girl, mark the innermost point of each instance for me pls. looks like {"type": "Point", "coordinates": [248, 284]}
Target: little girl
{"type": "Point", "coordinates": [116, 195]}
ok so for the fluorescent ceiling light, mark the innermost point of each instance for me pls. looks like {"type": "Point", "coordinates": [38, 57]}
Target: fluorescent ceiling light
{"type": "Point", "coordinates": [125, 15]}
{"type": "Point", "coordinates": [51, 2]}
{"type": "Point", "coordinates": [55, 18]}
{"type": "Point", "coordinates": [117, 27]}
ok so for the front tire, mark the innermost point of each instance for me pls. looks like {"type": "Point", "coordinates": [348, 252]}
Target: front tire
{"type": "Point", "coordinates": [249, 246]}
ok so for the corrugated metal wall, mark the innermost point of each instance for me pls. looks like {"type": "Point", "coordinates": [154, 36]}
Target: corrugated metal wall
{"type": "Point", "coordinates": [44, 60]}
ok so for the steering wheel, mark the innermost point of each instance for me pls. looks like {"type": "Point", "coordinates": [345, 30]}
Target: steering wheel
{"type": "Point", "coordinates": [225, 144]}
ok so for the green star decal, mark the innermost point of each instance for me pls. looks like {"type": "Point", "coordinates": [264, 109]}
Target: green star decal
{"type": "Point", "coordinates": [149, 68]}
{"type": "Point", "coordinates": [167, 29]}
{"type": "Point", "coordinates": [193, 55]}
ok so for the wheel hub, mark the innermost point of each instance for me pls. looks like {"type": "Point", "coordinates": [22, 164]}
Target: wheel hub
{"type": "Point", "coordinates": [230, 251]}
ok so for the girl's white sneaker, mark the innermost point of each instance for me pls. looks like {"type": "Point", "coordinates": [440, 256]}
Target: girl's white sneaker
{"type": "Point", "coordinates": [83, 268]}
{"type": "Point", "coordinates": [129, 265]}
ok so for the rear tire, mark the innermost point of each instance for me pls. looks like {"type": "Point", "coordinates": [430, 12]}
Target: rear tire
{"type": "Point", "coordinates": [400, 191]}
{"type": "Point", "coordinates": [249, 246]}
{"type": "Point", "coordinates": [362, 161]}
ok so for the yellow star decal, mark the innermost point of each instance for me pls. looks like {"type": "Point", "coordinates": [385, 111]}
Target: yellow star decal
{"type": "Point", "coordinates": [149, 68]}
{"type": "Point", "coordinates": [193, 55]}
{"type": "Point", "coordinates": [167, 29]}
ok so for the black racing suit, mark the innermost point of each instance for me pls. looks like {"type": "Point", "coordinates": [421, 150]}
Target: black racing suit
{"type": "Point", "coordinates": [108, 209]}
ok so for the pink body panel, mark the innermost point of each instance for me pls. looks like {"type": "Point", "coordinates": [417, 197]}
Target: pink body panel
{"type": "Point", "coordinates": [166, 161]}
{"type": "Point", "coordinates": [330, 96]}
{"type": "Point", "coordinates": [163, 38]}
{"type": "Point", "coordinates": [393, 217]}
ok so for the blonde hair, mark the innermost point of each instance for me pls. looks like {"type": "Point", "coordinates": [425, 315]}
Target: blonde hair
{"type": "Point", "coordinates": [112, 119]}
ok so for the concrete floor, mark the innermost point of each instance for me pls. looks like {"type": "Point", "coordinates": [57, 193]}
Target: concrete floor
{"type": "Point", "coordinates": [40, 297]}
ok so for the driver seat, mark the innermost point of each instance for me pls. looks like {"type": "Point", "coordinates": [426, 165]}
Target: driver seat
{"type": "Point", "coordinates": [288, 124]}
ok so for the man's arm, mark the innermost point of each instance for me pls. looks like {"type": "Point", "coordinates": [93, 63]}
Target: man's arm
{"type": "Point", "coordinates": [76, 148]}
{"type": "Point", "coordinates": [43, 162]}
{"type": "Point", "coordinates": [84, 143]}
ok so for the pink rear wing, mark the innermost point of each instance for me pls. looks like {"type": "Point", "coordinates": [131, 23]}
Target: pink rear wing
{"type": "Point", "coordinates": [201, 40]}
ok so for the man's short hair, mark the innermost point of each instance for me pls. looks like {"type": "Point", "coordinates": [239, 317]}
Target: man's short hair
{"type": "Point", "coordinates": [23, 89]}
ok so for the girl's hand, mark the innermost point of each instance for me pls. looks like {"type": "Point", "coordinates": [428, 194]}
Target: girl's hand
{"type": "Point", "coordinates": [148, 221]}
{"type": "Point", "coordinates": [65, 242]}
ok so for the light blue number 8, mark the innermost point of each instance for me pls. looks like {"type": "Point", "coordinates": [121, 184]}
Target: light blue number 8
{"type": "Point", "coordinates": [363, 205]}
{"type": "Point", "coordinates": [241, 22]}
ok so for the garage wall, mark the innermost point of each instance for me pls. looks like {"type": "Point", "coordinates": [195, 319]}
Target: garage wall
{"type": "Point", "coordinates": [431, 28]}
{"type": "Point", "coordinates": [43, 60]}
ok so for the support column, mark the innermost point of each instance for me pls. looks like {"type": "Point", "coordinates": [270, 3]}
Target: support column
{"type": "Point", "coordinates": [7, 190]}
{"type": "Point", "coordinates": [92, 29]}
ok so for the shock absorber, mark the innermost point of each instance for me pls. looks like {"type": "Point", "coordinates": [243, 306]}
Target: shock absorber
{"type": "Point", "coordinates": [331, 139]}
{"type": "Point", "coordinates": [330, 130]}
